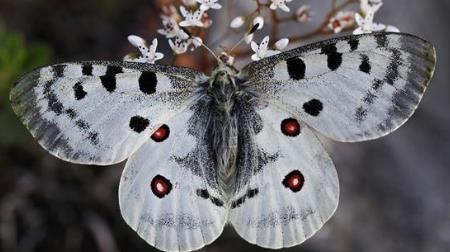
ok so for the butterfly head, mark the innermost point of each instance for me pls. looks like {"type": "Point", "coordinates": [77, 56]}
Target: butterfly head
{"type": "Point", "coordinates": [223, 74]}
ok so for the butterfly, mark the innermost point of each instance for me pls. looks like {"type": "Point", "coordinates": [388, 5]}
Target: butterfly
{"type": "Point", "coordinates": [236, 147]}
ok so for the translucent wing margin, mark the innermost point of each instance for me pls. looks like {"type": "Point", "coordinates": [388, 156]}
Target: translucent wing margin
{"type": "Point", "coordinates": [100, 112]}
{"type": "Point", "coordinates": [351, 88]}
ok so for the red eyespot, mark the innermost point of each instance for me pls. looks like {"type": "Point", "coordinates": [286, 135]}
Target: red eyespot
{"type": "Point", "coordinates": [160, 186]}
{"type": "Point", "coordinates": [161, 134]}
{"type": "Point", "coordinates": [294, 181]}
{"type": "Point", "coordinates": [290, 127]}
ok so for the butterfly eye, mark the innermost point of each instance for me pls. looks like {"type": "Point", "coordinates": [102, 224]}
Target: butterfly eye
{"type": "Point", "coordinates": [161, 134]}
{"type": "Point", "coordinates": [290, 127]}
{"type": "Point", "coordinates": [160, 186]}
{"type": "Point", "coordinates": [294, 181]}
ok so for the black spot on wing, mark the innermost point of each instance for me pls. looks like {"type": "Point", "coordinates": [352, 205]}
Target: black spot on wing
{"type": "Point", "coordinates": [392, 72]}
{"type": "Point", "coordinates": [365, 65]}
{"type": "Point", "coordinates": [204, 194]}
{"type": "Point", "coordinates": [369, 98]}
{"type": "Point", "coordinates": [381, 40]}
{"type": "Point", "coordinates": [360, 114]}
{"type": "Point", "coordinates": [82, 124]}
{"type": "Point", "coordinates": [71, 113]}
{"type": "Point", "coordinates": [86, 69]}
{"type": "Point", "coordinates": [138, 123]}
{"type": "Point", "coordinates": [334, 59]}
{"type": "Point", "coordinates": [79, 92]}
{"type": "Point", "coordinates": [109, 79]}
{"type": "Point", "coordinates": [354, 43]}
{"type": "Point", "coordinates": [113, 70]}
{"type": "Point", "coordinates": [250, 194]}
{"type": "Point", "coordinates": [264, 159]}
{"type": "Point", "coordinates": [109, 82]}
{"type": "Point", "coordinates": [54, 104]}
{"type": "Point", "coordinates": [59, 70]}
{"type": "Point", "coordinates": [148, 82]}
{"type": "Point", "coordinates": [93, 138]}
{"type": "Point", "coordinates": [313, 107]}
{"type": "Point", "coordinates": [296, 68]}
{"type": "Point", "coordinates": [52, 100]}
{"type": "Point", "coordinates": [377, 84]}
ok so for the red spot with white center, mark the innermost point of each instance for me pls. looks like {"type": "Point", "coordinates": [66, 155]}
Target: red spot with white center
{"type": "Point", "coordinates": [161, 134]}
{"type": "Point", "coordinates": [294, 181]}
{"type": "Point", "coordinates": [290, 127]}
{"type": "Point", "coordinates": [160, 186]}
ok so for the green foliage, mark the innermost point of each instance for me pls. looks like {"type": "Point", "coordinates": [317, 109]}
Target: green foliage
{"type": "Point", "coordinates": [16, 57]}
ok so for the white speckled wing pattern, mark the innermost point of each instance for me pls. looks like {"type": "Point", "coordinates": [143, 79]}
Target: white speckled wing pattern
{"type": "Point", "coordinates": [293, 194]}
{"type": "Point", "coordinates": [98, 112]}
{"type": "Point", "coordinates": [350, 88]}
{"type": "Point", "coordinates": [164, 192]}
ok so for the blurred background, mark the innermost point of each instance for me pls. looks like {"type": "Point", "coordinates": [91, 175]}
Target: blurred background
{"type": "Point", "coordinates": [395, 191]}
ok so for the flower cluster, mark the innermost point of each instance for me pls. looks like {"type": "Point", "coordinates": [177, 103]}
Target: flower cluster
{"type": "Point", "coordinates": [184, 24]}
{"type": "Point", "coordinates": [149, 54]}
{"type": "Point", "coordinates": [366, 24]}
{"type": "Point", "coordinates": [364, 20]}
{"type": "Point", "coordinates": [262, 50]}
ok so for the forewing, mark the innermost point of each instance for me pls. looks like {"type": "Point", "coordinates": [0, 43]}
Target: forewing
{"type": "Point", "coordinates": [99, 112]}
{"type": "Point", "coordinates": [292, 187]}
{"type": "Point", "coordinates": [351, 88]}
{"type": "Point", "coordinates": [168, 191]}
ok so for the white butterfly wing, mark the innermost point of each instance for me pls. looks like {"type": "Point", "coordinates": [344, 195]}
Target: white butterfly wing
{"type": "Point", "coordinates": [99, 112]}
{"type": "Point", "coordinates": [351, 88]}
{"type": "Point", "coordinates": [293, 188]}
{"type": "Point", "coordinates": [168, 191]}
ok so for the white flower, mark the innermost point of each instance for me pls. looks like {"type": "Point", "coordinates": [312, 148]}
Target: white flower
{"type": "Point", "coordinates": [191, 19]}
{"type": "Point", "coordinates": [342, 20]}
{"type": "Point", "coordinates": [149, 55]}
{"type": "Point", "coordinates": [258, 23]}
{"type": "Point", "coordinates": [209, 4]}
{"type": "Point", "coordinates": [280, 4]}
{"type": "Point", "coordinates": [370, 5]}
{"type": "Point", "coordinates": [179, 45]}
{"type": "Point", "coordinates": [237, 22]}
{"type": "Point", "coordinates": [303, 14]}
{"type": "Point", "coordinates": [170, 27]}
{"type": "Point", "coordinates": [261, 50]}
{"type": "Point", "coordinates": [366, 24]}
{"type": "Point", "coordinates": [182, 42]}
{"type": "Point", "coordinates": [281, 44]}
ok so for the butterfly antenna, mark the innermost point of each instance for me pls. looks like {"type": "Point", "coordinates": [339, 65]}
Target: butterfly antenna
{"type": "Point", "coordinates": [251, 31]}
{"type": "Point", "coordinates": [211, 52]}
{"type": "Point", "coordinates": [202, 44]}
